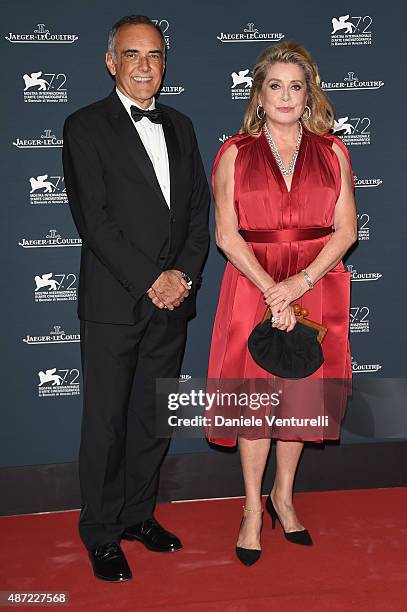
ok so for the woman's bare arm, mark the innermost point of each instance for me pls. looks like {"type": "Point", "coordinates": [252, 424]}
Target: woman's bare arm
{"type": "Point", "coordinates": [345, 235]}
{"type": "Point", "coordinates": [228, 238]}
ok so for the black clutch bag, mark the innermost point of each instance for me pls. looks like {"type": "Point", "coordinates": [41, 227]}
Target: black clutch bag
{"type": "Point", "coordinates": [295, 354]}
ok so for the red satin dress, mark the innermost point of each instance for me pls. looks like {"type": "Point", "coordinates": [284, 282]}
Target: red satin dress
{"type": "Point", "coordinates": [263, 202]}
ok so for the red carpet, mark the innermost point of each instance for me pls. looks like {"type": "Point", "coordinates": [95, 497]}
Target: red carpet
{"type": "Point", "coordinates": [358, 561]}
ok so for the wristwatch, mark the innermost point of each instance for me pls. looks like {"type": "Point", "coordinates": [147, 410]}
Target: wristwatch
{"type": "Point", "coordinates": [187, 279]}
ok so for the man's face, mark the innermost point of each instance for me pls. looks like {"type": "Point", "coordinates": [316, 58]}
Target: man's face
{"type": "Point", "coordinates": [138, 65]}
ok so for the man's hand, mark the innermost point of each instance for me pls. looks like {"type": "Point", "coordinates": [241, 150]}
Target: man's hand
{"type": "Point", "coordinates": [169, 290]}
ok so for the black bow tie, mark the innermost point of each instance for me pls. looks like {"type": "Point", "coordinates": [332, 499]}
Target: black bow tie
{"type": "Point", "coordinates": [139, 113]}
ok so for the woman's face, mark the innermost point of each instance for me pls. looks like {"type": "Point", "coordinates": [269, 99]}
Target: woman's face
{"type": "Point", "coordinates": [283, 94]}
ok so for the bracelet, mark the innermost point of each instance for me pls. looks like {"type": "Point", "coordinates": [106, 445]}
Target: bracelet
{"type": "Point", "coordinates": [307, 278]}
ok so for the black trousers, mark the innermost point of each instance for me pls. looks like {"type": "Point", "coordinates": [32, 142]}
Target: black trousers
{"type": "Point", "coordinates": [120, 454]}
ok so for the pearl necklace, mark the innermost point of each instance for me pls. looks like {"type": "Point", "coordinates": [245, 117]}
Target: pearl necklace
{"type": "Point", "coordinates": [284, 171]}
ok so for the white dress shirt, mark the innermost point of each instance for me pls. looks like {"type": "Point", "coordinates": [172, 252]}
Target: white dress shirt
{"type": "Point", "coordinates": [152, 137]}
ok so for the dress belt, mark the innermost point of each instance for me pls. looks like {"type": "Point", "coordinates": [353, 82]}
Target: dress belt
{"type": "Point", "coordinates": [285, 235]}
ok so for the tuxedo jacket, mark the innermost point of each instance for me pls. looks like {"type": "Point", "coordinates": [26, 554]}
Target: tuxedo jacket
{"type": "Point", "coordinates": [129, 234]}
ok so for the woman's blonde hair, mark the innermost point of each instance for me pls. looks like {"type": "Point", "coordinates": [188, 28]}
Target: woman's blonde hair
{"type": "Point", "coordinates": [322, 115]}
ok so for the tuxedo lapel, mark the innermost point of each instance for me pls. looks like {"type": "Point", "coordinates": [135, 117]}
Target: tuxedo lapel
{"type": "Point", "coordinates": [173, 151]}
{"type": "Point", "coordinates": [132, 145]}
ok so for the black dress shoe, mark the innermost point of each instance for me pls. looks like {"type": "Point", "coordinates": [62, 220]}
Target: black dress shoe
{"type": "Point", "coordinates": [109, 563]}
{"type": "Point", "coordinates": [248, 556]}
{"type": "Point", "coordinates": [295, 537]}
{"type": "Point", "coordinates": [153, 536]}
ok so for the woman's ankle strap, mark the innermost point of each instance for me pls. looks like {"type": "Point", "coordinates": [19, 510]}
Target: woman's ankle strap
{"type": "Point", "coordinates": [245, 509]}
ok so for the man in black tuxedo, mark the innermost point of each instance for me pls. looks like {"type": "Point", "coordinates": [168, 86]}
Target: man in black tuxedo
{"type": "Point", "coordinates": [139, 198]}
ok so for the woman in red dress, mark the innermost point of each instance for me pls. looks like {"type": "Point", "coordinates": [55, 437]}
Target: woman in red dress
{"type": "Point", "coordinates": [285, 175]}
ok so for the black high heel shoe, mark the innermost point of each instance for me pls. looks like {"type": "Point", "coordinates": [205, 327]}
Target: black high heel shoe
{"type": "Point", "coordinates": [296, 537]}
{"type": "Point", "coordinates": [248, 556]}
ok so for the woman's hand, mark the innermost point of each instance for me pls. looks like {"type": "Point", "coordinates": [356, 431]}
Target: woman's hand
{"type": "Point", "coordinates": [286, 318]}
{"type": "Point", "coordinates": [285, 292]}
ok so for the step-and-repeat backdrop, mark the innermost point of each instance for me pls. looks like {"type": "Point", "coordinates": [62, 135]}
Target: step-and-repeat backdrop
{"type": "Point", "coordinates": [53, 63]}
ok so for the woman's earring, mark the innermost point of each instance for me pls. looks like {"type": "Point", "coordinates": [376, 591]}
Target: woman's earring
{"type": "Point", "coordinates": [306, 118]}
{"type": "Point", "coordinates": [258, 114]}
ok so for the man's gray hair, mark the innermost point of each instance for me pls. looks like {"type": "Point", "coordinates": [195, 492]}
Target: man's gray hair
{"type": "Point", "coordinates": [130, 20]}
